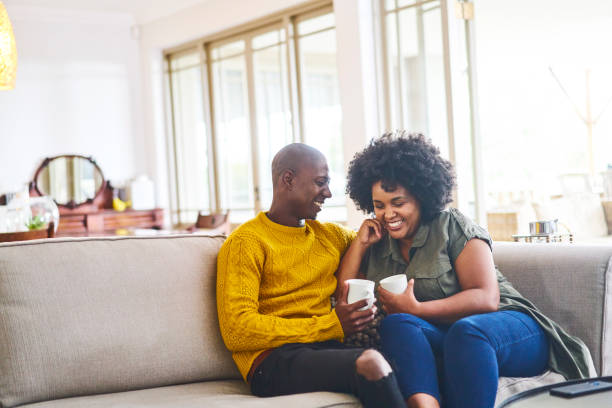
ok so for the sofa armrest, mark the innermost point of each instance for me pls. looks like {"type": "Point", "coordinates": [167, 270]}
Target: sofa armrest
{"type": "Point", "coordinates": [570, 283]}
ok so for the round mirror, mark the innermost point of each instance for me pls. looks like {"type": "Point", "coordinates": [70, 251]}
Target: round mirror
{"type": "Point", "coordinates": [71, 180]}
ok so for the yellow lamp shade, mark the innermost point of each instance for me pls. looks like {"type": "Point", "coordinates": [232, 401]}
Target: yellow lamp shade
{"type": "Point", "coordinates": [8, 52]}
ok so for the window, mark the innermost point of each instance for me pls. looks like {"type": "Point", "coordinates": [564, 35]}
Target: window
{"type": "Point", "coordinates": [546, 91]}
{"type": "Point", "coordinates": [427, 85]}
{"type": "Point", "coordinates": [322, 114]}
{"type": "Point", "coordinates": [190, 141]}
{"type": "Point", "coordinates": [415, 69]}
{"type": "Point", "coordinates": [232, 129]}
{"type": "Point", "coordinates": [262, 89]}
{"type": "Point", "coordinates": [272, 108]}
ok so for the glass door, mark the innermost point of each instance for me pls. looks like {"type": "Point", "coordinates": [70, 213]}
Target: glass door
{"type": "Point", "coordinates": [231, 109]}
{"type": "Point", "coordinates": [427, 80]}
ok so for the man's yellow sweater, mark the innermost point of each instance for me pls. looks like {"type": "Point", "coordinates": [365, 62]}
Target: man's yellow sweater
{"type": "Point", "coordinates": [274, 283]}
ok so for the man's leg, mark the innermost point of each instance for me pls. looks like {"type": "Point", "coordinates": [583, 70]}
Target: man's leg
{"type": "Point", "coordinates": [411, 343]}
{"type": "Point", "coordinates": [327, 366]}
{"type": "Point", "coordinates": [377, 384]}
{"type": "Point", "coordinates": [479, 348]}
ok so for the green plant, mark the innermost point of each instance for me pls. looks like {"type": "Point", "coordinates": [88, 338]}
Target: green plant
{"type": "Point", "coordinates": [35, 223]}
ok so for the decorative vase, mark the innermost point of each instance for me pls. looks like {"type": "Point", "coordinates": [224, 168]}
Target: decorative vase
{"type": "Point", "coordinates": [46, 209]}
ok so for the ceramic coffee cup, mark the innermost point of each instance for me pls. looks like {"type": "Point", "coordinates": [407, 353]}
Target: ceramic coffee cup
{"type": "Point", "coordinates": [361, 289]}
{"type": "Point", "coordinates": [395, 283]}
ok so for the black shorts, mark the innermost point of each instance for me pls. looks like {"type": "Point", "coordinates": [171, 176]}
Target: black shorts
{"type": "Point", "coordinates": [307, 367]}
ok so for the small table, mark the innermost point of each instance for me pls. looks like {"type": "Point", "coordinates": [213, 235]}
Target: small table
{"type": "Point", "coordinates": [540, 397]}
{"type": "Point", "coordinates": [556, 237]}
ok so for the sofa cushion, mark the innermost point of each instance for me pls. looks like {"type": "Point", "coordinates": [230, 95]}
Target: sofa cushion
{"type": "Point", "coordinates": [99, 315]}
{"type": "Point", "coordinates": [235, 393]}
{"type": "Point", "coordinates": [211, 394]}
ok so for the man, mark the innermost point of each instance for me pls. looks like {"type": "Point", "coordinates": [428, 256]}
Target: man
{"type": "Point", "coordinates": [275, 276]}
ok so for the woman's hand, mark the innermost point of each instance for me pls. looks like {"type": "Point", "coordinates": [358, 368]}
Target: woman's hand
{"type": "Point", "coordinates": [370, 232]}
{"type": "Point", "coordinates": [399, 303]}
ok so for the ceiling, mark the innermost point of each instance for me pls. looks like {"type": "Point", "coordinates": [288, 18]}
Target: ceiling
{"type": "Point", "coordinates": [143, 11]}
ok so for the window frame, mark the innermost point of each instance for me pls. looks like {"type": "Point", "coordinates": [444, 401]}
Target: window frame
{"type": "Point", "coordinates": [288, 21]}
{"type": "Point", "coordinates": [450, 19]}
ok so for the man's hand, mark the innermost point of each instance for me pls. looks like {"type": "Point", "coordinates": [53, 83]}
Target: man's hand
{"type": "Point", "coordinates": [399, 303]}
{"type": "Point", "coordinates": [370, 232]}
{"type": "Point", "coordinates": [351, 319]}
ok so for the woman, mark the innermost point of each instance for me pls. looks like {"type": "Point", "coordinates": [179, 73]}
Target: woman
{"type": "Point", "coordinates": [460, 324]}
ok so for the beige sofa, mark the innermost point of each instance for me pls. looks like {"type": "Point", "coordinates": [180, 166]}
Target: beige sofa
{"type": "Point", "coordinates": [131, 322]}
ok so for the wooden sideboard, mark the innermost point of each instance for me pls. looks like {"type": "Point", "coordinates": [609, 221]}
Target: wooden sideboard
{"type": "Point", "coordinates": [108, 220]}
{"type": "Point", "coordinates": [97, 216]}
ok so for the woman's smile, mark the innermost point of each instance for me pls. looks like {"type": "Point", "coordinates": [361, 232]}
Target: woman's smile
{"type": "Point", "coordinates": [394, 225]}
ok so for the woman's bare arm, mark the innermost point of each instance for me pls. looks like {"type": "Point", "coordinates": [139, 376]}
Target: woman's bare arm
{"type": "Point", "coordinates": [480, 290]}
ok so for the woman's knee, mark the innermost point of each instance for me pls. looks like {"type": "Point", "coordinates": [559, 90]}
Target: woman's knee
{"type": "Point", "coordinates": [466, 330]}
{"type": "Point", "coordinates": [372, 365]}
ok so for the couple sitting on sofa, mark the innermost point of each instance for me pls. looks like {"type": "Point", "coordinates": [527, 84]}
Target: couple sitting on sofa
{"type": "Point", "coordinates": [458, 326]}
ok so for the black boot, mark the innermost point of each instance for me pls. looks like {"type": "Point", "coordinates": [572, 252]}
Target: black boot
{"type": "Point", "coordinates": [383, 393]}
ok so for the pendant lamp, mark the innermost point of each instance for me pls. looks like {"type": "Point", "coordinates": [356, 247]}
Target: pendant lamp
{"type": "Point", "coordinates": [8, 52]}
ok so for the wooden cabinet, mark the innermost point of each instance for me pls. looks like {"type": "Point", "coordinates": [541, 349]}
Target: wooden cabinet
{"type": "Point", "coordinates": [85, 198]}
{"type": "Point", "coordinates": [97, 217]}
{"type": "Point", "coordinates": [502, 224]}
{"type": "Point", "coordinates": [107, 221]}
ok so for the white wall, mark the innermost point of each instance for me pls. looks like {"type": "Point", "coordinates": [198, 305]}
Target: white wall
{"type": "Point", "coordinates": [355, 69]}
{"type": "Point", "coordinates": [78, 91]}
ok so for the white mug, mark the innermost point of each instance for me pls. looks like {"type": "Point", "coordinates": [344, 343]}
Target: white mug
{"type": "Point", "coordinates": [361, 289]}
{"type": "Point", "coordinates": [395, 283]}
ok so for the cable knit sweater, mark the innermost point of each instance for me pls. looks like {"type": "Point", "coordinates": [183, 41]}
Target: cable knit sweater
{"type": "Point", "coordinates": [274, 285]}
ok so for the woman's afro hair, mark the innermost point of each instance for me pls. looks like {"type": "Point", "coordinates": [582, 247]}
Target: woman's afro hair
{"type": "Point", "coordinates": [408, 160]}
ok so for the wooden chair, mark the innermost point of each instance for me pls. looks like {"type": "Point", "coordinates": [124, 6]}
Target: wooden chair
{"type": "Point", "coordinates": [48, 232]}
{"type": "Point", "coordinates": [217, 223]}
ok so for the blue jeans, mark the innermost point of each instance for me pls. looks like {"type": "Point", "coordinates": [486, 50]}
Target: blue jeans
{"type": "Point", "coordinates": [463, 361]}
